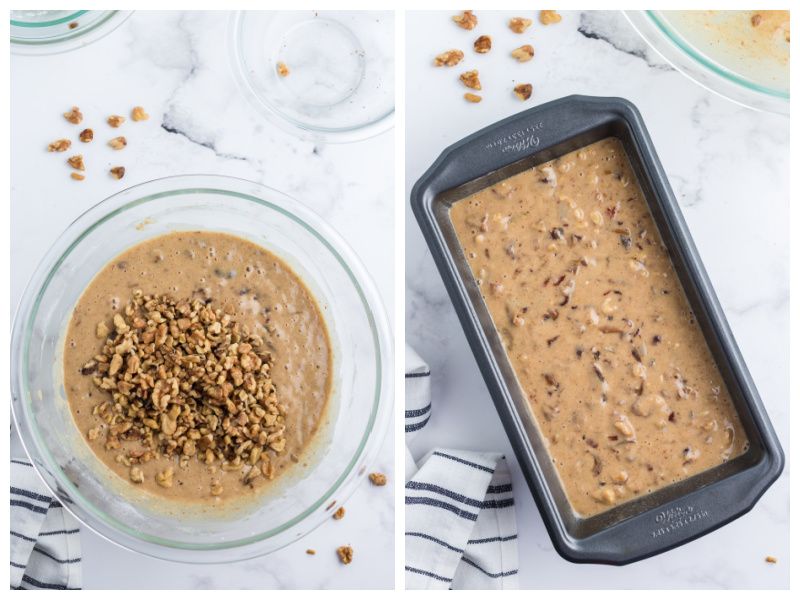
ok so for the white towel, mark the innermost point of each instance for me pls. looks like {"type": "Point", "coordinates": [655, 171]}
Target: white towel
{"type": "Point", "coordinates": [461, 531]}
{"type": "Point", "coordinates": [45, 540]}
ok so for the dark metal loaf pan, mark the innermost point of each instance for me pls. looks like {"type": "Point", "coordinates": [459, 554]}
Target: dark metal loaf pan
{"type": "Point", "coordinates": [675, 514]}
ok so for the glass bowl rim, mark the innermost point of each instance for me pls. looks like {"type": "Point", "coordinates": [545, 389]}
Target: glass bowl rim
{"type": "Point", "coordinates": [69, 41]}
{"type": "Point", "coordinates": [117, 204]}
{"type": "Point", "coordinates": [262, 106]}
{"type": "Point", "coordinates": [734, 87]}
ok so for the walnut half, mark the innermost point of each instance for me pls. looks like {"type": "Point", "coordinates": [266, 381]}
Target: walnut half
{"type": "Point", "coordinates": [74, 116]}
{"type": "Point", "coordinates": [466, 20]}
{"type": "Point", "coordinates": [523, 53]}
{"type": "Point", "coordinates": [549, 16]}
{"type": "Point", "coordinates": [519, 25]}
{"type": "Point", "coordinates": [138, 114]}
{"type": "Point", "coordinates": [76, 162]}
{"type": "Point", "coordinates": [483, 44]}
{"type": "Point", "coordinates": [448, 59]}
{"type": "Point", "coordinates": [470, 79]}
{"type": "Point", "coordinates": [523, 91]}
{"type": "Point", "coordinates": [87, 135]}
{"type": "Point", "coordinates": [59, 146]}
{"type": "Point", "coordinates": [346, 554]}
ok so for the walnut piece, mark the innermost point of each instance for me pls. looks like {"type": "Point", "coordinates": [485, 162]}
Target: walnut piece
{"type": "Point", "coordinates": [78, 176]}
{"type": "Point", "coordinates": [523, 91]}
{"type": "Point", "coordinates": [346, 554]}
{"type": "Point", "coordinates": [87, 135]}
{"type": "Point", "coordinates": [138, 114]}
{"type": "Point", "coordinates": [771, 559]}
{"type": "Point", "coordinates": [216, 488]}
{"type": "Point", "coordinates": [466, 20]}
{"type": "Point", "coordinates": [74, 116]}
{"type": "Point", "coordinates": [116, 120]}
{"type": "Point", "coordinates": [59, 146]}
{"type": "Point", "coordinates": [519, 25]}
{"type": "Point", "coordinates": [118, 143]}
{"type": "Point", "coordinates": [339, 513]}
{"type": "Point", "coordinates": [118, 172]}
{"type": "Point", "coordinates": [73, 25]}
{"type": "Point", "coordinates": [188, 381]}
{"type": "Point", "coordinates": [449, 59]}
{"type": "Point", "coordinates": [377, 478]}
{"type": "Point", "coordinates": [310, 551]}
{"type": "Point", "coordinates": [136, 475]}
{"type": "Point", "coordinates": [549, 16]}
{"type": "Point", "coordinates": [76, 162]}
{"type": "Point", "coordinates": [472, 98]}
{"type": "Point", "coordinates": [470, 79]}
{"type": "Point", "coordinates": [164, 479]}
{"type": "Point", "coordinates": [523, 53]}
{"type": "Point", "coordinates": [283, 70]}
{"type": "Point", "coordinates": [483, 44]}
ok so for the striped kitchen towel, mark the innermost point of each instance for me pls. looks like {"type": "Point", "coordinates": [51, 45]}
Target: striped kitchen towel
{"type": "Point", "coordinates": [461, 530]}
{"type": "Point", "coordinates": [45, 544]}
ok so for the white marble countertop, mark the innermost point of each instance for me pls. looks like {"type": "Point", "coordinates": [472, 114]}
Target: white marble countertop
{"type": "Point", "coordinates": [729, 168]}
{"type": "Point", "coordinates": [175, 65]}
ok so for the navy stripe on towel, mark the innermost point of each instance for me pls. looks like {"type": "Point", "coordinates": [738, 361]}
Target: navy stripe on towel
{"type": "Point", "coordinates": [428, 574]}
{"type": "Point", "coordinates": [498, 489]}
{"type": "Point", "coordinates": [493, 539]}
{"type": "Point", "coordinates": [464, 462]}
{"type": "Point", "coordinates": [29, 506]}
{"type": "Point", "coordinates": [410, 414]}
{"type": "Point", "coordinates": [429, 487]}
{"type": "Point", "coordinates": [430, 538]}
{"type": "Point", "coordinates": [417, 426]}
{"type": "Point", "coordinates": [492, 575]}
{"type": "Point", "coordinates": [439, 504]}
{"type": "Point", "coordinates": [29, 494]}
{"type": "Point", "coordinates": [64, 531]}
{"type": "Point", "coordinates": [58, 560]}
{"type": "Point", "coordinates": [498, 503]}
{"type": "Point", "coordinates": [412, 376]}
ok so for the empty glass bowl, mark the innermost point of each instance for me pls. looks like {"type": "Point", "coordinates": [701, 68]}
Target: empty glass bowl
{"type": "Point", "coordinates": [37, 32]}
{"type": "Point", "coordinates": [724, 51]}
{"type": "Point", "coordinates": [340, 81]}
{"type": "Point", "coordinates": [361, 396]}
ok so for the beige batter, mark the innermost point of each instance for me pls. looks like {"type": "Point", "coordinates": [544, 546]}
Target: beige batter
{"type": "Point", "coordinates": [597, 328]}
{"type": "Point", "coordinates": [267, 297]}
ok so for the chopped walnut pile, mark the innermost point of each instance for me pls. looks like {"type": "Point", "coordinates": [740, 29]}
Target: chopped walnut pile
{"type": "Point", "coordinates": [59, 146]}
{"type": "Point", "coordinates": [283, 70]}
{"type": "Point", "coordinates": [138, 114]}
{"type": "Point", "coordinates": [523, 53]}
{"type": "Point", "coordinates": [346, 554]}
{"type": "Point", "coordinates": [116, 120]}
{"type": "Point", "coordinates": [466, 20]}
{"type": "Point", "coordinates": [519, 25]}
{"type": "Point", "coordinates": [448, 59]}
{"type": "Point", "coordinates": [339, 514]}
{"type": "Point", "coordinates": [188, 381]}
{"type": "Point", "coordinates": [78, 176]}
{"type": "Point", "coordinates": [74, 116]}
{"type": "Point", "coordinates": [118, 143]}
{"type": "Point", "coordinates": [523, 91]}
{"type": "Point", "coordinates": [474, 98]}
{"type": "Point", "coordinates": [549, 16]}
{"type": "Point", "coordinates": [87, 135]}
{"type": "Point", "coordinates": [377, 478]}
{"type": "Point", "coordinates": [118, 172]}
{"type": "Point", "coordinates": [483, 44]}
{"type": "Point", "coordinates": [470, 79]}
{"type": "Point", "coordinates": [76, 162]}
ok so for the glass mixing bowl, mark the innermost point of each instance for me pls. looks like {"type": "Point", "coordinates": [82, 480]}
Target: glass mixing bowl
{"type": "Point", "coordinates": [360, 403]}
{"type": "Point", "coordinates": [709, 47]}
{"type": "Point", "coordinates": [38, 32]}
{"type": "Point", "coordinates": [340, 86]}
